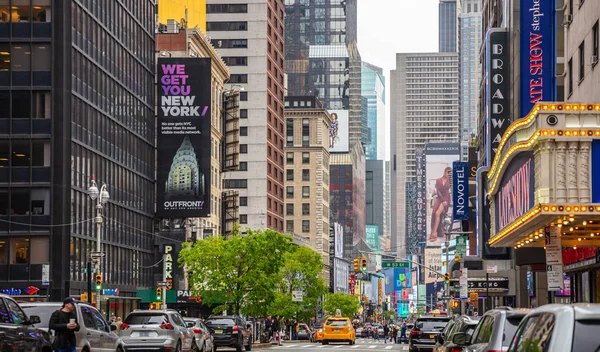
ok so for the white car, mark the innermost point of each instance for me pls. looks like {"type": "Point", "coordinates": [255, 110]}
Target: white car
{"type": "Point", "coordinates": [559, 328]}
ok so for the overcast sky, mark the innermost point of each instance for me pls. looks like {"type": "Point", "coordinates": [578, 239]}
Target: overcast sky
{"type": "Point", "coordinates": [387, 27]}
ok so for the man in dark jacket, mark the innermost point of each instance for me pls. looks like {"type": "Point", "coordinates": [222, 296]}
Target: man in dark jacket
{"type": "Point", "coordinates": [386, 332]}
{"type": "Point", "coordinates": [64, 323]}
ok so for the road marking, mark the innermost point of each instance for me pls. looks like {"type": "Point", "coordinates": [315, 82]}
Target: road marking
{"type": "Point", "coordinates": [308, 346]}
{"type": "Point", "coordinates": [372, 346]}
{"type": "Point", "coordinates": [339, 346]}
{"type": "Point", "coordinates": [355, 346]}
{"type": "Point", "coordinates": [389, 347]}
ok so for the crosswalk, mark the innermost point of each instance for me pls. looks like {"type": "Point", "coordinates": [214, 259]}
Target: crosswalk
{"type": "Point", "coordinates": [361, 345]}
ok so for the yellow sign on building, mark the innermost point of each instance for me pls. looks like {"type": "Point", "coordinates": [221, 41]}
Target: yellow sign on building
{"type": "Point", "coordinates": [190, 12]}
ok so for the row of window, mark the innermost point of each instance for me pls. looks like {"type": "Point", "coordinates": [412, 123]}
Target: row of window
{"type": "Point", "coordinates": [290, 158]}
{"type": "Point", "coordinates": [24, 250]}
{"type": "Point", "coordinates": [227, 8]}
{"type": "Point", "coordinates": [289, 209]}
{"type": "Point", "coordinates": [289, 226]}
{"type": "Point", "coordinates": [290, 174]}
{"type": "Point", "coordinates": [289, 192]}
{"type": "Point", "coordinates": [593, 59]}
{"type": "Point", "coordinates": [24, 201]}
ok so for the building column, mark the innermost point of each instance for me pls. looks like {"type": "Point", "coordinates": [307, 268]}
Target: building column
{"type": "Point", "coordinates": [572, 171]}
{"type": "Point", "coordinates": [561, 172]}
{"type": "Point", "coordinates": [543, 153]}
{"type": "Point", "coordinates": [584, 172]}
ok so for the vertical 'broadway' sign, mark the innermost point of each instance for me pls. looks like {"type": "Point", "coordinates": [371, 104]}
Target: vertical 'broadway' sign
{"type": "Point", "coordinates": [183, 141]}
{"type": "Point", "coordinates": [498, 89]}
{"type": "Point", "coordinates": [537, 53]}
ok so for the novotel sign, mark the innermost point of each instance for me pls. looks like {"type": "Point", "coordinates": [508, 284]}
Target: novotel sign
{"type": "Point", "coordinates": [460, 191]}
{"type": "Point", "coordinates": [515, 196]}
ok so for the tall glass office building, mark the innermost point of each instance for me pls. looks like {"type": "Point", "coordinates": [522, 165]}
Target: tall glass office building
{"type": "Point", "coordinates": [76, 101]}
{"type": "Point", "coordinates": [447, 26]}
{"type": "Point", "coordinates": [373, 88]}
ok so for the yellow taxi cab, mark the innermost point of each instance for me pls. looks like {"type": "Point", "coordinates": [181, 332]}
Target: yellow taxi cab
{"type": "Point", "coordinates": [338, 329]}
{"type": "Point", "coordinates": [317, 335]}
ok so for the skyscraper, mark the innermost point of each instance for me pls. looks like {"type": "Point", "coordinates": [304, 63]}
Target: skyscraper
{"type": "Point", "coordinates": [249, 37]}
{"type": "Point", "coordinates": [424, 108]}
{"type": "Point", "coordinates": [373, 88]}
{"type": "Point", "coordinates": [447, 26]}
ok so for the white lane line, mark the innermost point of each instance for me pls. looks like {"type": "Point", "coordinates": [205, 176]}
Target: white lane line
{"type": "Point", "coordinates": [355, 346]}
{"type": "Point", "coordinates": [308, 346]}
{"type": "Point", "coordinates": [389, 347]}
{"type": "Point", "coordinates": [372, 346]}
{"type": "Point", "coordinates": [338, 346]}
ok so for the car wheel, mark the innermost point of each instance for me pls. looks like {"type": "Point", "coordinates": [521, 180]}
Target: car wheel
{"type": "Point", "coordinates": [178, 347]}
{"type": "Point", "coordinates": [325, 342]}
{"type": "Point", "coordinates": [119, 349]}
{"type": "Point", "coordinates": [195, 347]}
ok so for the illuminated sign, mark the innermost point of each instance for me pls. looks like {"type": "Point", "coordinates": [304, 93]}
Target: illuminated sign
{"type": "Point", "coordinates": [497, 89]}
{"type": "Point", "coordinates": [29, 290]}
{"type": "Point", "coordinates": [421, 195]}
{"type": "Point", "coordinates": [515, 195]}
{"type": "Point", "coordinates": [169, 265]}
{"type": "Point", "coordinates": [460, 192]}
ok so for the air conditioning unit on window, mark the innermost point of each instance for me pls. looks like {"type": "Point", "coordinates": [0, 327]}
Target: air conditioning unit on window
{"type": "Point", "coordinates": [594, 59]}
{"type": "Point", "coordinates": [568, 19]}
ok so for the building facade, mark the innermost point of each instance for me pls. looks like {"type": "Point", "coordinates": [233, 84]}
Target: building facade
{"type": "Point", "coordinates": [424, 108]}
{"type": "Point", "coordinates": [376, 200]}
{"type": "Point", "coordinates": [250, 38]}
{"type": "Point", "coordinates": [447, 26]}
{"type": "Point", "coordinates": [307, 173]}
{"type": "Point", "coordinates": [373, 89]}
{"type": "Point", "coordinates": [64, 122]}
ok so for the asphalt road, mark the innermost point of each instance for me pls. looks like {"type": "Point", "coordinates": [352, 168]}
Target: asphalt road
{"type": "Point", "coordinates": [361, 345]}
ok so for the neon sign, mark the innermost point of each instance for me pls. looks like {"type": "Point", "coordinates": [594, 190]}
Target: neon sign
{"type": "Point", "coordinates": [515, 195]}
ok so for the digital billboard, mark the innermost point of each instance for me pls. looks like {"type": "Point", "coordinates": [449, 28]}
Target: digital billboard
{"type": "Point", "coordinates": [420, 199]}
{"type": "Point", "coordinates": [184, 137]}
{"type": "Point", "coordinates": [372, 237]}
{"type": "Point", "coordinates": [460, 190]}
{"type": "Point", "coordinates": [433, 260]}
{"type": "Point", "coordinates": [338, 231]}
{"type": "Point", "coordinates": [339, 132]}
{"type": "Point", "coordinates": [438, 173]}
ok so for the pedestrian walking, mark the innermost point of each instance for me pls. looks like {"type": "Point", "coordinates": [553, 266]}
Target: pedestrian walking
{"type": "Point", "coordinates": [403, 332]}
{"type": "Point", "coordinates": [395, 333]}
{"type": "Point", "coordinates": [386, 332]}
{"type": "Point", "coordinates": [64, 323]}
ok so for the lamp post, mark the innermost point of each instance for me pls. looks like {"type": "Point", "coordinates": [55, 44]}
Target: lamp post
{"type": "Point", "coordinates": [447, 227]}
{"type": "Point", "coordinates": [101, 197]}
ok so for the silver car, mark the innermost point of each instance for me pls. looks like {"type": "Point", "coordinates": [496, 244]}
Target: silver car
{"type": "Point", "coordinates": [495, 330]}
{"type": "Point", "coordinates": [94, 334]}
{"type": "Point", "coordinates": [204, 339]}
{"type": "Point", "coordinates": [157, 330]}
{"type": "Point", "coordinates": [559, 328]}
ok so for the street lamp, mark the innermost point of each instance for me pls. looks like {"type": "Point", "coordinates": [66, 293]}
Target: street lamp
{"type": "Point", "coordinates": [447, 227]}
{"type": "Point", "coordinates": [101, 197]}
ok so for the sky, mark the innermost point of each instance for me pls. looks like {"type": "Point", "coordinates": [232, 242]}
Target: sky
{"type": "Point", "coordinates": [387, 27]}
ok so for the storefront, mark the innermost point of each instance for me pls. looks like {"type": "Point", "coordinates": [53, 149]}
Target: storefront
{"type": "Point", "coordinates": [545, 194]}
{"type": "Point", "coordinates": [26, 293]}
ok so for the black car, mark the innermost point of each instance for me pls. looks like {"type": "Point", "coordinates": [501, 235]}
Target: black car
{"type": "Point", "coordinates": [230, 331]}
{"type": "Point", "coordinates": [17, 330]}
{"type": "Point", "coordinates": [424, 334]}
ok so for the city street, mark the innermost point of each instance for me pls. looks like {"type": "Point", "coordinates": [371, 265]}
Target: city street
{"type": "Point", "coordinates": [361, 345]}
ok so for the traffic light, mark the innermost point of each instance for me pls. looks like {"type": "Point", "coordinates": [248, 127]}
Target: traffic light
{"type": "Point", "coordinates": [159, 294]}
{"type": "Point", "coordinates": [357, 264]}
{"type": "Point", "coordinates": [457, 258]}
{"type": "Point", "coordinates": [363, 264]}
{"type": "Point", "coordinates": [447, 277]}
{"type": "Point", "coordinates": [98, 282]}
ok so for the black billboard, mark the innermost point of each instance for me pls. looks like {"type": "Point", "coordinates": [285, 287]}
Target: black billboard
{"type": "Point", "coordinates": [498, 89]}
{"type": "Point", "coordinates": [184, 135]}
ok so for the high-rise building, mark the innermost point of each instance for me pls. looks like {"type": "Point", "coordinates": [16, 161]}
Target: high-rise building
{"type": "Point", "coordinates": [307, 173]}
{"type": "Point", "coordinates": [373, 88]}
{"type": "Point", "coordinates": [424, 108]}
{"type": "Point", "coordinates": [447, 26]}
{"type": "Point", "coordinates": [376, 199]}
{"type": "Point", "coordinates": [77, 103]}
{"type": "Point", "coordinates": [188, 13]}
{"type": "Point", "coordinates": [469, 44]}
{"type": "Point", "coordinates": [250, 38]}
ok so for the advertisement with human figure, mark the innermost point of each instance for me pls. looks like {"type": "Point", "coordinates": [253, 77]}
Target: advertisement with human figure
{"type": "Point", "coordinates": [338, 132]}
{"type": "Point", "coordinates": [438, 160]}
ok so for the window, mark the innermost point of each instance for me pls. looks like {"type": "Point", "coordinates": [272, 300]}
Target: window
{"type": "Point", "coordinates": [570, 76]}
{"type": "Point", "coordinates": [305, 132]}
{"type": "Point", "coordinates": [17, 315]}
{"type": "Point", "coordinates": [243, 201]}
{"type": "Point", "coordinates": [289, 158]}
{"type": "Point", "coordinates": [40, 253]}
{"type": "Point", "coordinates": [534, 334]}
{"type": "Point", "coordinates": [289, 192]}
{"type": "Point", "coordinates": [227, 8]}
{"type": "Point", "coordinates": [244, 97]}
{"type": "Point", "coordinates": [243, 148]}
{"type": "Point", "coordinates": [581, 61]}
{"type": "Point", "coordinates": [243, 166]}
{"type": "Point", "coordinates": [289, 226]}
{"type": "Point", "coordinates": [289, 132]}
{"type": "Point", "coordinates": [484, 330]}
{"type": "Point", "coordinates": [235, 183]}
{"type": "Point", "coordinates": [583, 330]}
{"type": "Point", "coordinates": [289, 209]}
{"type": "Point", "coordinates": [3, 313]}
{"type": "Point", "coordinates": [305, 208]}
{"type": "Point", "coordinates": [238, 78]}
{"type": "Point", "coordinates": [305, 157]}
{"type": "Point", "coordinates": [227, 26]}
{"type": "Point", "coordinates": [243, 131]}
{"type": "Point", "coordinates": [19, 250]}
{"type": "Point", "coordinates": [305, 191]}
{"type": "Point", "coordinates": [236, 60]}
{"type": "Point", "coordinates": [305, 225]}
{"type": "Point", "coordinates": [243, 219]}
{"type": "Point", "coordinates": [289, 175]}
{"type": "Point", "coordinates": [229, 43]}
{"type": "Point", "coordinates": [243, 113]}
{"type": "Point", "coordinates": [305, 175]}
{"type": "Point", "coordinates": [595, 43]}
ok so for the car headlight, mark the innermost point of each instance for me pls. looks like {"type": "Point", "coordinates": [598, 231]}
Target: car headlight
{"type": "Point", "coordinates": [320, 331]}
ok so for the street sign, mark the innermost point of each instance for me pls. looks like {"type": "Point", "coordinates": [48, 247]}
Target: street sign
{"type": "Point", "coordinates": [297, 296]}
{"type": "Point", "coordinates": [461, 246]}
{"type": "Point", "coordinates": [94, 255]}
{"type": "Point", "coordinates": [45, 274]}
{"type": "Point", "coordinates": [387, 265]}
{"type": "Point", "coordinates": [464, 283]}
{"type": "Point", "coordinates": [492, 269]}
{"type": "Point", "coordinates": [555, 277]}
{"type": "Point", "coordinates": [163, 283]}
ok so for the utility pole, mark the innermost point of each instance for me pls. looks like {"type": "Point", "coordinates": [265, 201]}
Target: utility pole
{"type": "Point", "coordinates": [164, 288]}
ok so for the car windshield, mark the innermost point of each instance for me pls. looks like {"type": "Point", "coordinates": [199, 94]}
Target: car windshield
{"type": "Point", "coordinates": [584, 338]}
{"type": "Point", "coordinates": [44, 312]}
{"type": "Point", "coordinates": [146, 319]}
{"type": "Point", "coordinates": [431, 324]}
{"type": "Point", "coordinates": [510, 327]}
{"type": "Point", "coordinates": [336, 323]}
{"type": "Point", "coordinates": [220, 321]}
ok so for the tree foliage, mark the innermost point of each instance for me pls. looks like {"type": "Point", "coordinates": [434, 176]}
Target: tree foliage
{"type": "Point", "coordinates": [346, 303]}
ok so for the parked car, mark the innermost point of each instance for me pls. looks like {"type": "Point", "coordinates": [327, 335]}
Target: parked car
{"type": "Point", "coordinates": [304, 332]}
{"type": "Point", "coordinates": [423, 335]}
{"type": "Point", "coordinates": [204, 340]}
{"type": "Point", "coordinates": [147, 330]}
{"type": "Point", "coordinates": [462, 325]}
{"type": "Point", "coordinates": [317, 333]}
{"type": "Point", "coordinates": [230, 331]}
{"type": "Point", "coordinates": [380, 330]}
{"type": "Point", "coordinates": [94, 332]}
{"type": "Point", "coordinates": [559, 328]}
{"type": "Point", "coordinates": [18, 331]}
{"type": "Point", "coordinates": [495, 330]}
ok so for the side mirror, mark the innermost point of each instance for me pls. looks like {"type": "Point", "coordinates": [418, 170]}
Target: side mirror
{"type": "Point", "coordinates": [113, 327]}
{"type": "Point", "coordinates": [459, 338]}
{"type": "Point", "coordinates": [34, 319]}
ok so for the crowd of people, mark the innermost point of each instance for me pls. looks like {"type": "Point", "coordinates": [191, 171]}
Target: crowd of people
{"type": "Point", "coordinates": [395, 333]}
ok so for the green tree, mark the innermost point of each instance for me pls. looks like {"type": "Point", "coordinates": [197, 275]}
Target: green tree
{"type": "Point", "coordinates": [241, 274]}
{"type": "Point", "coordinates": [389, 314]}
{"type": "Point", "coordinates": [346, 303]}
{"type": "Point", "coordinates": [302, 271]}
